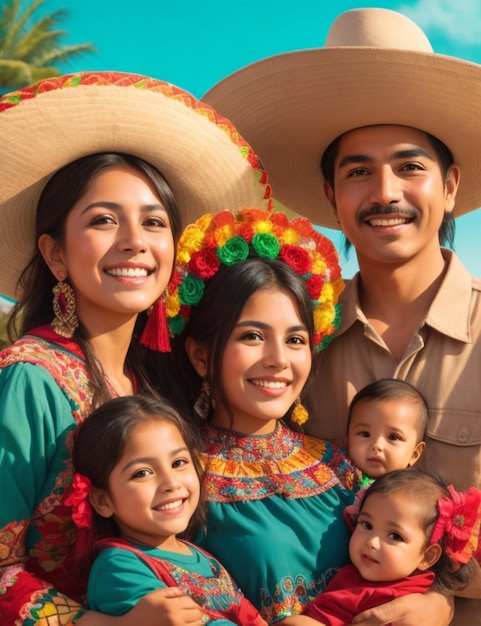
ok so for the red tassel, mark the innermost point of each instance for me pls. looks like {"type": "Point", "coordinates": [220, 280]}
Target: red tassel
{"type": "Point", "coordinates": [155, 334]}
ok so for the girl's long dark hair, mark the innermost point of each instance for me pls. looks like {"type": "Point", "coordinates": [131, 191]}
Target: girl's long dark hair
{"type": "Point", "coordinates": [34, 308]}
{"type": "Point", "coordinates": [98, 446]}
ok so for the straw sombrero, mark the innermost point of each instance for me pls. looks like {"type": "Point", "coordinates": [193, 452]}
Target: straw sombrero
{"type": "Point", "coordinates": [377, 67]}
{"type": "Point", "coordinates": [43, 127]}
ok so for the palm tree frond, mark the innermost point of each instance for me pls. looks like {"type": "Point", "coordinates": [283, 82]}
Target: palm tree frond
{"type": "Point", "coordinates": [19, 74]}
{"type": "Point", "coordinates": [64, 55]}
{"type": "Point", "coordinates": [30, 50]}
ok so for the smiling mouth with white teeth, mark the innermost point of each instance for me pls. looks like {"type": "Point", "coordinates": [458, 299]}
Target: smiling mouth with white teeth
{"type": "Point", "coordinates": [389, 221]}
{"type": "Point", "coordinates": [169, 506]}
{"type": "Point", "coordinates": [269, 384]}
{"type": "Point", "coordinates": [132, 272]}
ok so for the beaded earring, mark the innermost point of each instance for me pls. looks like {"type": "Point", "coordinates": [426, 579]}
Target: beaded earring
{"type": "Point", "coordinates": [65, 321]}
{"type": "Point", "coordinates": [203, 404]}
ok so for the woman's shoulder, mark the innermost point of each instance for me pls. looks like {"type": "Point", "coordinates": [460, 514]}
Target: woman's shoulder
{"type": "Point", "coordinates": [35, 361]}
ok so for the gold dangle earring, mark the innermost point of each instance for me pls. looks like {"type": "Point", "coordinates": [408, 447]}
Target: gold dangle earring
{"type": "Point", "coordinates": [299, 413]}
{"type": "Point", "coordinates": [65, 322]}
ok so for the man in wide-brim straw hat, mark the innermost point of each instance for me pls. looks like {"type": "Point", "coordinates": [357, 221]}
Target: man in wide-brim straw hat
{"type": "Point", "coordinates": [377, 135]}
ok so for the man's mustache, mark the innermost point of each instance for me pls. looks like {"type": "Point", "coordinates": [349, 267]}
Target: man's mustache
{"type": "Point", "coordinates": [377, 210]}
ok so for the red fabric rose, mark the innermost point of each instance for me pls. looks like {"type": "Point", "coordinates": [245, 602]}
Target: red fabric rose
{"type": "Point", "coordinates": [314, 286]}
{"type": "Point", "coordinates": [297, 258]}
{"type": "Point", "coordinates": [204, 263]}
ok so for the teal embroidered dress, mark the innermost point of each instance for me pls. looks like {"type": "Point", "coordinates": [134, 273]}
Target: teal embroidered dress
{"type": "Point", "coordinates": [44, 395]}
{"type": "Point", "coordinates": [275, 514]}
{"type": "Point", "coordinates": [124, 572]}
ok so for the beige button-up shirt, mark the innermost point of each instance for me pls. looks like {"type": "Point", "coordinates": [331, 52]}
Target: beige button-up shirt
{"type": "Point", "coordinates": [443, 360]}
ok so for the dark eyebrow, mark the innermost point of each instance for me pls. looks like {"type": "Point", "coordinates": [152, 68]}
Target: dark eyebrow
{"type": "Point", "coordinates": [393, 523]}
{"type": "Point", "coordinates": [115, 206]}
{"type": "Point", "coordinates": [412, 152]}
{"type": "Point", "coordinates": [150, 460]}
{"type": "Point", "coordinates": [263, 326]}
{"type": "Point", "coordinates": [352, 159]}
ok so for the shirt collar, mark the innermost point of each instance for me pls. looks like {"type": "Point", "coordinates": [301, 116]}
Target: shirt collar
{"type": "Point", "coordinates": [449, 312]}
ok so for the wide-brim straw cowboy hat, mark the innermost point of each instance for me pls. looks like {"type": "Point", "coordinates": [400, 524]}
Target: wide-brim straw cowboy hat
{"type": "Point", "coordinates": [376, 67]}
{"type": "Point", "coordinates": [206, 162]}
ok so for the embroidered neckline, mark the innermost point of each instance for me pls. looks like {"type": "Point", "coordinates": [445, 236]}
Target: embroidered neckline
{"type": "Point", "coordinates": [244, 467]}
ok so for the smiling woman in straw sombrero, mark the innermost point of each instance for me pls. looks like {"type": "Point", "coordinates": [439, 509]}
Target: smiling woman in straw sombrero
{"type": "Point", "coordinates": [398, 130]}
{"type": "Point", "coordinates": [204, 159]}
{"type": "Point", "coordinates": [97, 173]}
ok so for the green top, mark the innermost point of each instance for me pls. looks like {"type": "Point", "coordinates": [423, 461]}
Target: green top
{"type": "Point", "coordinates": [275, 514]}
{"type": "Point", "coordinates": [124, 572]}
{"type": "Point", "coordinates": [44, 395]}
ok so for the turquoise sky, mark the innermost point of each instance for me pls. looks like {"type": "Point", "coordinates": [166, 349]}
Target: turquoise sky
{"type": "Point", "coordinates": [194, 44]}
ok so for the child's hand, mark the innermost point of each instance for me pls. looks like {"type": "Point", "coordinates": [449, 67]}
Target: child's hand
{"type": "Point", "coordinates": [169, 607]}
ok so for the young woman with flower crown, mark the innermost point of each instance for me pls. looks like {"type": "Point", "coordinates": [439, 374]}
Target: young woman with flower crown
{"type": "Point", "coordinates": [412, 533]}
{"type": "Point", "coordinates": [252, 297]}
{"type": "Point", "coordinates": [96, 170]}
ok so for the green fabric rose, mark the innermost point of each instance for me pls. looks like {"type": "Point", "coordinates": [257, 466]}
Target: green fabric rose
{"type": "Point", "coordinates": [176, 324]}
{"type": "Point", "coordinates": [191, 290]}
{"type": "Point", "coordinates": [266, 245]}
{"type": "Point", "coordinates": [233, 251]}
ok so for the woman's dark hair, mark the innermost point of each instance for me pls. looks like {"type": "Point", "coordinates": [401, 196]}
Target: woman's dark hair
{"type": "Point", "coordinates": [62, 191]}
{"type": "Point", "coordinates": [394, 389]}
{"type": "Point", "coordinates": [215, 317]}
{"type": "Point", "coordinates": [100, 442]}
{"type": "Point", "coordinates": [425, 489]}
{"type": "Point", "coordinates": [447, 229]}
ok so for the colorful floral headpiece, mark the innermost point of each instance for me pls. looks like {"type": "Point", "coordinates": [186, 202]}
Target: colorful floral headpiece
{"type": "Point", "coordinates": [225, 239]}
{"type": "Point", "coordinates": [458, 525]}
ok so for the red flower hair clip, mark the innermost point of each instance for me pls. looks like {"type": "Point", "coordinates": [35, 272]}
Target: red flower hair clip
{"type": "Point", "coordinates": [458, 524]}
{"type": "Point", "coordinates": [79, 501]}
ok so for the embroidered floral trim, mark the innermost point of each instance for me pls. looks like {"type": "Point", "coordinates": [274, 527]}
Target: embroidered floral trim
{"type": "Point", "coordinates": [126, 80]}
{"type": "Point", "coordinates": [240, 467]}
{"type": "Point", "coordinates": [47, 606]}
{"type": "Point", "coordinates": [68, 370]}
{"type": "Point", "coordinates": [224, 239]}
{"type": "Point", "coordinates": [52, 534]}
{"type": "Point", "coordinates": [290, 594]}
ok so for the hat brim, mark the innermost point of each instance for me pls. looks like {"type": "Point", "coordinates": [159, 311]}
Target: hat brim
{"type": "Point", "coordinates": [291, 106]}
{"type": "Point", "coordinates": [206, 162]}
